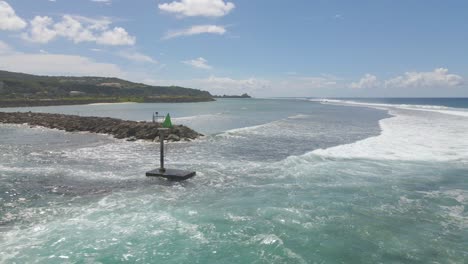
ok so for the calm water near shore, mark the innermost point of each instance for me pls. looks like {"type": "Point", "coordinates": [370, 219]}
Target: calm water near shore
{"type": "Point", "coordinates": [278, 181]}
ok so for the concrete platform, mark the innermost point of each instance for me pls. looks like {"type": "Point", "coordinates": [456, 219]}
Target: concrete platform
{"type": "Point", "coordinates": [172, 174]}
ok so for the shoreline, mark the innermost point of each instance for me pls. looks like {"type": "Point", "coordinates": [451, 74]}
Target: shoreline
{"type": "Point", "coordinates": [113, 103]}
{"type": "Point", "coordinates": [111, 100]}
{"type": "Point", "coordinates": [118, 128]}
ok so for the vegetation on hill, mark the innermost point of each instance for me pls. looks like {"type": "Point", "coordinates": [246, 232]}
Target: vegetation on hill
{"type": "Point", "coordinates": [20, 87]}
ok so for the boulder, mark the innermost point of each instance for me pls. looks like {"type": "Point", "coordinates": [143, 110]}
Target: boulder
{"type": "Point", "coordinates": [173, 137]}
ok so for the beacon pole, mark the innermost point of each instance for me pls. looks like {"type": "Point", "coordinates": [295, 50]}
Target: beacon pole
{"type": "Point", "coordinates": [161, 156]}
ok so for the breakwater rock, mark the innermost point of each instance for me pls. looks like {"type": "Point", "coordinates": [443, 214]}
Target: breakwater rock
{"type": "Point", "coordinates": [131, 130]}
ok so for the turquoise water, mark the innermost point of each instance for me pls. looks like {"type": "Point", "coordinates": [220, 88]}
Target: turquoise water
{"type": "Point", "coordinates": [278, 181]}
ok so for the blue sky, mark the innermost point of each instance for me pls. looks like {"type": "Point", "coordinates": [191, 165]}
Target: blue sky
{"type": "Point", "coordinates": [266, 48]}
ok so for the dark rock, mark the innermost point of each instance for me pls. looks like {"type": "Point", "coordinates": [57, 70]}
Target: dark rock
{"type": "Point", "coordinates": [173, 137]}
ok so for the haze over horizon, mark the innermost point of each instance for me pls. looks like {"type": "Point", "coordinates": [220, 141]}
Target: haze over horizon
{"type": "Point", "coordinates": [264, 48]}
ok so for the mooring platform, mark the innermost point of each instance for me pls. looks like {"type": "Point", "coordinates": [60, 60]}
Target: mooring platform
{"type": "Point", "coordinates": [171, 174]}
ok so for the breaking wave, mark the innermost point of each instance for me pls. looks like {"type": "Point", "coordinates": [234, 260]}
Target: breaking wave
{"type": "Point", "coordinates": [410, 134]}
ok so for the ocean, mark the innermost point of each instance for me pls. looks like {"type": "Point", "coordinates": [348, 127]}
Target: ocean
{"type": "Point", "coordinates": [304, 180]}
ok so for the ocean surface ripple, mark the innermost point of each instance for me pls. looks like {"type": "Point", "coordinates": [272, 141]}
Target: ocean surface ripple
{"type": "Point", "coordinates": [278, 181]}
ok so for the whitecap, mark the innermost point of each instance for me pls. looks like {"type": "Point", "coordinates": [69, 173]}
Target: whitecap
{"type": "Point", "coordinates": [410, 135]}
{"type": "Point", "coordinates": [416, 107]}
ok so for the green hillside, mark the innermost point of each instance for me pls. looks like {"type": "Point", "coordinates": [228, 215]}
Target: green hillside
{"type": "Point", "coordinates": [26, 86]}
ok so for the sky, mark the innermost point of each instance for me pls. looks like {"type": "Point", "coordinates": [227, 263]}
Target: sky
{"type": "Point", "coordinates": [267, 48]}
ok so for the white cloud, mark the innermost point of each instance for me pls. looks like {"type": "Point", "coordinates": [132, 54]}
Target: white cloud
{"type": "Point", "coordinates": [311, 82]}
{"type": "Point", "coordinates": [219, 85]}
{"type": "Point", "coordinates": [73, 30]}
{"type": "Point", "coordinates": [368, 81]}
{"type": "Point", "coordinates": [107, 2]}
{"type": "Point", "coordinates": [338, 16]}
{"type": "Point", "coordinates": [57, 64]}
{"type": "Point", "coordinates": [5, 48]}
{"type": "Point", "coordinates": [196, 30]}
{"type": "Point", "coordinates": [294, 86]}
{"type": "Point", "coordinates": [207, 8]}
{"type": "Point", "coordinates": [136, 56]}
{"type": "Point", "coordinates": [117, 36]}
{"type": "Point", "coordinates": [227, 85]}
{"type": "Point", "coordinates": [8, 18]}
{"type": "Point", "coordinates": [328, 85]}
{"type": "Point", "coordinates": [44, 63]}
{"type": "Point", "coordinates": [200, 63]}
{"type": "Point", "coordinates": [437, 78]}
{"type": "Point", "coordinates": [77, 29]}
{"type": "Point", "coordinates": [40, 30]}
{"type": "Point", "coordinates": [98, 24]}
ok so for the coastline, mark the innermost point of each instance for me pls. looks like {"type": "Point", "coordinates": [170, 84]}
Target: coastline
{"type": "Point", "coordinates": [106, 100]}
{"type": "Point", "coordinates": [121, 129]}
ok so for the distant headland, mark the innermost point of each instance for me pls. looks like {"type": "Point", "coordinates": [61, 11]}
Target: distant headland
{"type": "Point", "coordinates": [21, 90]}
{"type": "Point", "coordinates": [233, 96]}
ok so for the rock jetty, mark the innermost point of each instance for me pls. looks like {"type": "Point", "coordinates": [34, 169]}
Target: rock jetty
{"type": "Point", "coordinates": [131, 130]}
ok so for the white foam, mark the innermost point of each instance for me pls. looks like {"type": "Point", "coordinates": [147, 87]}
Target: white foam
{"type": "Point", "coordinates": [197, 117]}
{"type": "Point", "coordinates": [459, 195]}
{"type": "Point", "coordinates": [269, 129]}
{"type": "Point", "coordinates": [323, 100]}
{"type": "Point", "coordinates": [122, 103]}
{"type": "Point", "coordinates": [237, 218]}
{"type": "Point", "coordinates": [410, 136]}
{"type": "Point", "coordinates": [249, 129]}
{"type": "Point", "coordinates": [267, 239]}
{"type": "Point", "coordinates": [277, 127]}
{"type": "Point", "coordinates": [456, 212]}
{"type": "Point", "coordinates": [428, 108]}
{"type": "Point", "coordinates": [103, 220]}
{"type": "Point", "coordinates": [299, 116]}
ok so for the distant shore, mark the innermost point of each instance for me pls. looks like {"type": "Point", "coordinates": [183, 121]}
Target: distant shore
{"type": "Point", "coordinates": [96, 100]}
{"type": "Point", "coordinates": [118, 128]}
{"type": "Point", "coordinates": [243, 96]}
